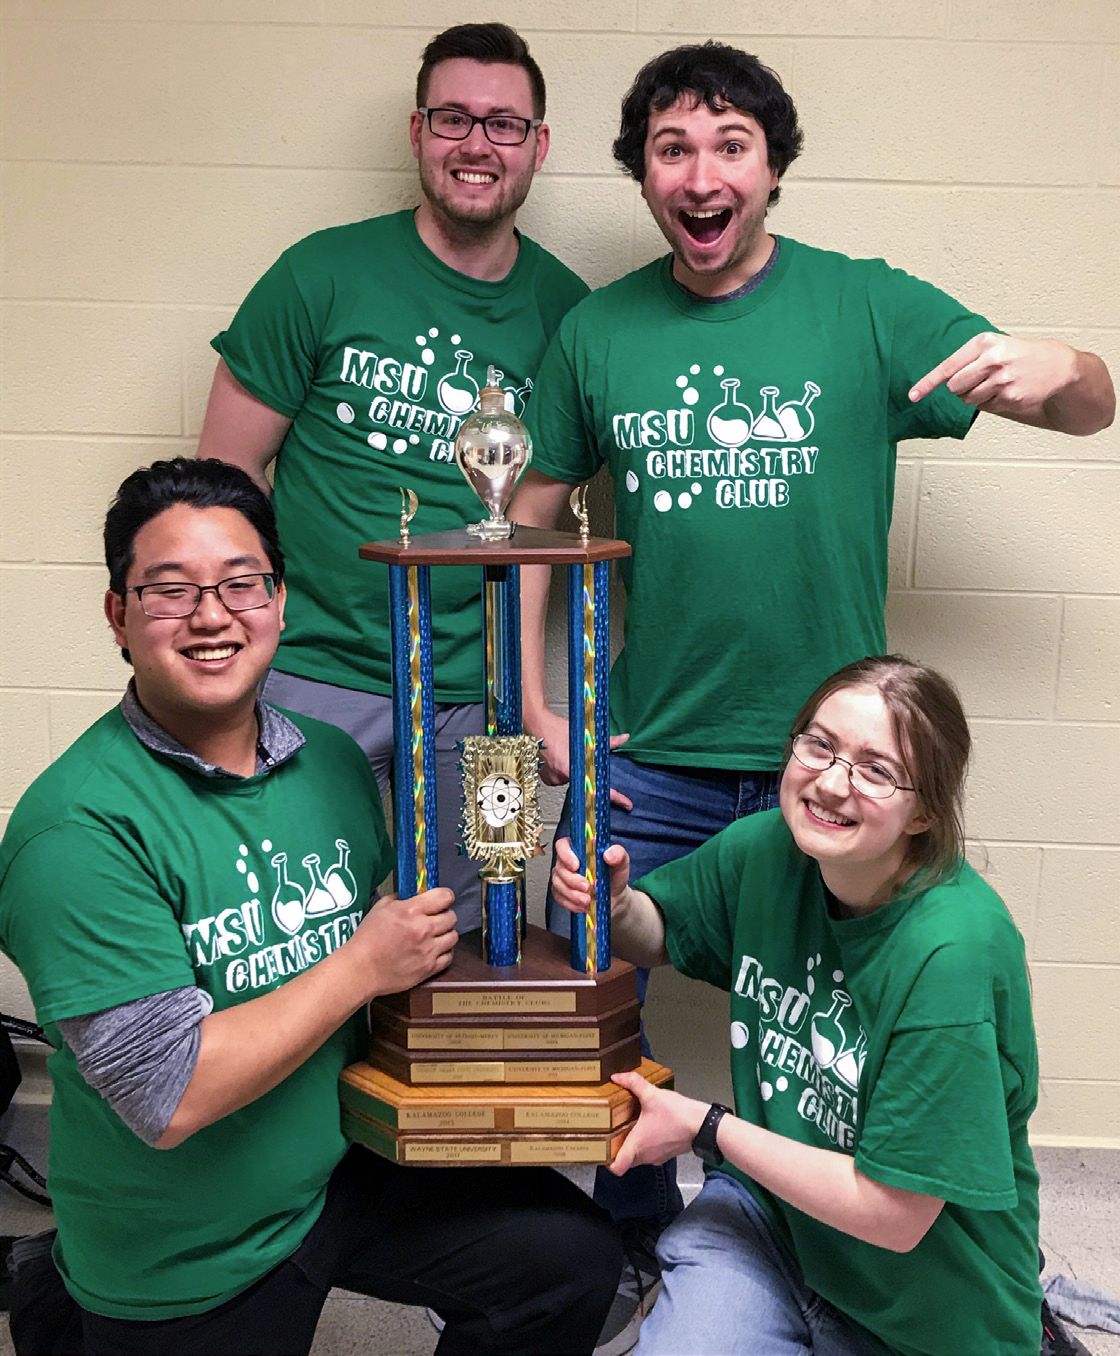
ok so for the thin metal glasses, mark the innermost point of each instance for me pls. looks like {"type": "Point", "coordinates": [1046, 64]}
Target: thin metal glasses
{"type": "Point", "coordinates": [178, 598]}
{"type": "Point", "coordinates": [502, 129]}
{"type": "Point", "coordinates": [869, 779]}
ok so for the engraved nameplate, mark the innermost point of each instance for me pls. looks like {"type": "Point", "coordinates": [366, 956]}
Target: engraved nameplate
{"type": "Point", "coordinates": [464, 1071]}
{"type": "Point", "coordinates": [454, 1038]}
{"type": "Point", "coordinates": [441, 1118]}
{"type": "Point", "coordinates": [551, 1071]}
{"type": "Point", "coordinates": [561, 1118]}
{"type": "Point", "coordinates": [555, 1038]}
{"type": "Point", "coordinates": [554, 1151]}
{"type": "Point", "coordinates": [504, 1000]}
{"type": "Point", "coordinates": [452, 1153]}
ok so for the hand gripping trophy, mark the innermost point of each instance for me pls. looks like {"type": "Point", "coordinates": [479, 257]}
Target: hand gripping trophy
{"type": "Point", "coordinates": [506, 1056]}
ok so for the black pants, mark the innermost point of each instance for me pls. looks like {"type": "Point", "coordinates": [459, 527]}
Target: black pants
{"type": "Point", "coordinates": [516, 1260]}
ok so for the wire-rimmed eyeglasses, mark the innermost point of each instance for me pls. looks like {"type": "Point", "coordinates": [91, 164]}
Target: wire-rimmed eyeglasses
{"type": "Point", "coordinates": [869, 779]}
{"type": "Point", "coordinates": [456, 124]}
{"type": "Point", "coordinates": [179, 598]}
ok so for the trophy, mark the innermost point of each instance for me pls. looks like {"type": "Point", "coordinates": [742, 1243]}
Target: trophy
{"type": "Point", "coordinates": [505, 1057]}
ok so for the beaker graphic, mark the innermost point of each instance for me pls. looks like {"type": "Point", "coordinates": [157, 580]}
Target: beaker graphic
{"type": "Point", "coordinates": [320, 900]}
{"type": "Point", "coordinates": [289, 903]}
{"type": "Point", "coordinates": [848, 1064]}
{"type": "Point", "coordinates": [729, 424]}
{"type": "Point", "coordinates": [340, 882]}
{"type": "Point", "coordinates": [458, 390]}
{"type": "Point", "coordinates": [767, 425]}
{"type": "Point", "coordinates": [829, 1039]}
{"type": "Point", "coordinates": [795, 416]}
{"type": "Point", "coordinates": [517, 396]}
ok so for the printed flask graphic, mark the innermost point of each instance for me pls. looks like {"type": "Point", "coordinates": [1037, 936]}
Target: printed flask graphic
{"type": "Point", "coordinates": [829, 1038]}
{"type": "Point", "coordinates": [795, 416]}
{"type": "Point", "coordinates": [289, 903]}
{"type": "Point", "coordinates": [767, 425]}
{"type": "Point", "coordinates": [458, 390]}
{"type": "Point", "coordinates": [320, 900]}
{"type": "Point", "coordinates": [848, 1064]}
{"type": "Point", "coordinates": [729, 424]}
{"type": "Point", "coordinates": [340, 880]}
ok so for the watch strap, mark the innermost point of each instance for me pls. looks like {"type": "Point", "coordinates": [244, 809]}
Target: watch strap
{"type": "Point", "coordinates": [704, 1145]}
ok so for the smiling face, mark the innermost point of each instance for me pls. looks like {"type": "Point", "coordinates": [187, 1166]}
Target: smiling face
{"type": "Point", "coordinates": [198, 671]}
{"type": "Point", "coordinates": [707, 183]}
{"type": "Point", "coordinates": [862, 844]}
{"type": "Point", "coordinates": [473, 183]}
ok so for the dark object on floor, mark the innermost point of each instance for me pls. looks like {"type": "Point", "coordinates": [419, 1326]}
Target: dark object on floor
{"type": "Point", "coordinates": [1057, 1339]}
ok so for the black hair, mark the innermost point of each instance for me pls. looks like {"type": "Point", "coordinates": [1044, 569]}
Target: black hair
{"type": "Point", "coordinates": [488, 43]}
{"type": "Point", "coordinates": [146, 493]}
{"type": "Point", "coordinates": [720, 77]}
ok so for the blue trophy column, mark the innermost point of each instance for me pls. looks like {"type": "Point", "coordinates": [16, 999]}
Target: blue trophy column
{"type": "Point", "coordinates": [589, 749]}
{"type": "Point", "coordinates": [414, 744]}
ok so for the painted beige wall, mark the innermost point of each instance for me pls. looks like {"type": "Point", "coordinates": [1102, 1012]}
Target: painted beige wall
{"type": "Point", "coordinates": [157, 158]}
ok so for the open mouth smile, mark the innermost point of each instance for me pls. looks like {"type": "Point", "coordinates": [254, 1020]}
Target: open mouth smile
{"type": "Point", "coordinates": [480, 177]}
{"type": "Point", "coordinates": [209, 654]}
{"type": "Point", "coordinates": [705, 225]}
{"type": "Point", "coordinates": [829, 818]}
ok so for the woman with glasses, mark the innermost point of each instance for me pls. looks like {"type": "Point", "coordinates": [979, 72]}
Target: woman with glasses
{"type": "Point", "coordinates": [873, 1190]}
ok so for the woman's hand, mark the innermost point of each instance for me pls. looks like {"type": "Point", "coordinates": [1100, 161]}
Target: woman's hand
{"type": "Point", "coordinates": [569, 885]}
{"type": "Point", "coordinates": [667, 1125]}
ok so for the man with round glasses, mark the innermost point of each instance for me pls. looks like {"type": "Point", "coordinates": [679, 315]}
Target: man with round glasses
{"type": "Point", "coordinates": [351, 365]}
{"type": "Point", "coordinates": [189, 892]}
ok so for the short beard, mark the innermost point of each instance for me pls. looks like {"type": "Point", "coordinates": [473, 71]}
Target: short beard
{"type": "Point", "coordinates": [477, 225]}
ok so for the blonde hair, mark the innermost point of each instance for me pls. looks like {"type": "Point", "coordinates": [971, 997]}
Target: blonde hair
{"type": "Point", "coordinates": [930, 726]}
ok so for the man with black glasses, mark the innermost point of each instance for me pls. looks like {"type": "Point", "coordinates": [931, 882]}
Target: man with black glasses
{"type": "Point", "coordinates": [187, 891]}
{"type": "Point", "coordinates": [352, 363]}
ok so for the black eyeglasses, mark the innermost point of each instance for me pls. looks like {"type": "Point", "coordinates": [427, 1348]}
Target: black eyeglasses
{"type": "Point", "coordinates": [869, 779]}
{"type": "Point", "coordinates": [178, 598]}
{"type": "Point", "coordinates": [502, 129]}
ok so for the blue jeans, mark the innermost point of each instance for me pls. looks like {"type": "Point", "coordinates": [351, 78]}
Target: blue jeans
{"type": "Point", "coordinates": [676, 810]}
{"type": "Point", "coordinates": [731, 1289]}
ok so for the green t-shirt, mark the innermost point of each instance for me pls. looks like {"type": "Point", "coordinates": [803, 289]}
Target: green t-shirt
{"type": "Point", "coordinates": [124, 874]}
{"type": "Point", "coordinates": [904, 1038]}
{"type": "Point", "coordinates": [752, 447]}
{"type": "Point", "coordinates": [376, 350]}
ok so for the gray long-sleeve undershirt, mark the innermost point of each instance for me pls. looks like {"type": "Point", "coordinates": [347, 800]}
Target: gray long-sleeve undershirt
{"type": "Point", "coordinates": [140, 1056]}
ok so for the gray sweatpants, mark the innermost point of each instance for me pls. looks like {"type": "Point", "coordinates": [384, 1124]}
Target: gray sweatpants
{"type": "Point", "coordinates": [368, 718]}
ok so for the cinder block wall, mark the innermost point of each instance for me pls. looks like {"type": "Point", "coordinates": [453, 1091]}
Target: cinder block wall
{"type": "Point", "coordinates": [157, 158]}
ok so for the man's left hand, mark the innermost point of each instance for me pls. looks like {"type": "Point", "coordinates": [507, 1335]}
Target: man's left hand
{"type": "Point", "coordinates": [1041, 382]}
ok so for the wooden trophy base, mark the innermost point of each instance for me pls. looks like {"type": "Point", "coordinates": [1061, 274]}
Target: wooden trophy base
{"type": "Point", "coordinates": [501, 1064]}
{"type": "Point", "coordinates": [544, 985]}
{"type": "Point", "coordinates": [480, 1124]}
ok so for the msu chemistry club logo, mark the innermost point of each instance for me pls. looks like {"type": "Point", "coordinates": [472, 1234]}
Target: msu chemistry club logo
{"type": "Point", "coordinates": [740, 449]}
{"type": "Point", "coordinates": [314, 906]}
{"type": "Point", "coordinates": [809, 1048]}
{"type": "Point", "coordinates": [418, 402]}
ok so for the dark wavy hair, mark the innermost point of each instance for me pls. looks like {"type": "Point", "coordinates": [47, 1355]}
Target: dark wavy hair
{"type": "Point", "coordinates": [721, 77]}
{"type": "Point", "coordinates": [481, 42]}
{"type": "Point", "coordinates": [931, 729]}
{"type": "Point", "coordinates": [146, 493]}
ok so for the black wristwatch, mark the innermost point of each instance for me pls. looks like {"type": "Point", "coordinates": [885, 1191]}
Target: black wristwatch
{"type": "Point", "coordinates": [704, 1145]}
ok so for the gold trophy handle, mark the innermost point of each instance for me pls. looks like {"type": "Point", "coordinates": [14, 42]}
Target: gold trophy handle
{"type": "Point", "coordinates": [577, 502]}
{"type": "Point", "coordinates": [409, 505]}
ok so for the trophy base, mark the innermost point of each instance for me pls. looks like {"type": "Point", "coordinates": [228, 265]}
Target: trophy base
{"type": "Point", "coordinates": [528, 1066]}
{"type": "Point", "coordinates": [469, 1125]}
{"type": "Point", "coordinates": [544, 985]}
